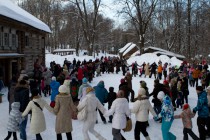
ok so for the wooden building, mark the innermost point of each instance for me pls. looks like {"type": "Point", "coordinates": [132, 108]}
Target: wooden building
{"type": "Point", "coordinates": [128, 50]}
{"type": "Point", "coordinates": [22, 40]}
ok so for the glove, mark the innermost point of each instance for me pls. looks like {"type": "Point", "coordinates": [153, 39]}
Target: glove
{"type": "Point", "coordinates": [155, 118]}
{"type": "Point", "coordinates": [194, 111]}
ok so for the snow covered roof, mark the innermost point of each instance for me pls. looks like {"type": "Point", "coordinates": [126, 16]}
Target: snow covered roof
{"type": "Point", "coordinates": [64, 50]}
{"type": "Point", "coordinates": [125, 47]}
{"type": "Point", "coordinates": [11, 55]}
{"type": "Point", "coordinates": [165, 52]}
{"type": "Point", "coordinates": [10, 10]}
{"type": "Point", "coordinates": [129, 49]}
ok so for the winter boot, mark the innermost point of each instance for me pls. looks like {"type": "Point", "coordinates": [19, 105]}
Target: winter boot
{"type": "Point", "coordinates": [147, 138]}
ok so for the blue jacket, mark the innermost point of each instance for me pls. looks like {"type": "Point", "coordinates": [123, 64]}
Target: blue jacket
{"type": "Point", "coordinates": [54, 85]}
{"type": "Point", "coordinates": [167, 111]}
{"type": "Point", "coordinates": [202, 105]}
{"type": "Point", "coordinates": [101, 92]}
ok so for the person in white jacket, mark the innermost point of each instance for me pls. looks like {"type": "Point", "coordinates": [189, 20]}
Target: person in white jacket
{"type": "Point", "coordinates": [119, 110]}
{"type": "Point", "coordinates": [36, 106]}
{"type": "Point", "coordinates": [91, 102]}
{"type": "Point", "coordinates": [141, 109]}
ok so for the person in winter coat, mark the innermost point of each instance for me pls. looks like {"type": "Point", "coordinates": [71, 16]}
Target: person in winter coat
{"type": "Point", "coordinates": [80, 75]}
{"type": "Point", "coordinates": [174, 91]}
{"type": "Point", "coordinates": [127, 90]}
{"type": "Point", "coordinates": [195, 74]}
{"type": "Point", "coordinates": [119, 110]}
{"type": "Point", "coordinates": [167, 114]}
{"type": "Point", "coordinates": [186, 117]}
{"type": "Point", "coordinates": [22, 96]}
{"type": "Point", "coordinates": [101, 94]}
{"type": "Point", "coordinates": [110, 99]}
{"type": "Point", "coordinates": [128, 79]}
{"type": "Point", "coordinates": [147, 71]}
{"type": "Point", "coordinates": [47, 74]}
{"type": "Point", "coordinates": [153, 68]}
{"type": "Point", "coordinates": [63, 109]}
{"type": "Point", "coordinates": [141, 109]}
{"type": "Point", "coordinates": [208, 96]}
{"type": "Point", "coordinates": [74, 88]}
{"type": "Point", "coordinates": [54, 85]}
{"type": "Point", "coordinates": [14, 121]}
{"type": "Point", "coordinates": [91, 103]}
{"type": "Point", "coordinates": [160, 71]}
{"type": "Point", "coordinates": [184, 88]}
{"type": "Point", "coordinates": [11, 91]}
{"type": "Point", "coordinates": [203, 112]}
{"type": "Point", "coordinates": [36, 106]}
{"type": "Point", "coordinates": [157, 88]}
{"type": "Point", "coordinates": [82, 89]}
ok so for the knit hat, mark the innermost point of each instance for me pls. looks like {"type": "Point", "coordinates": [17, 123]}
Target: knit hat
{"type": "Point", "coordinates": [143, 84]}
{"type": "Point", "coordinates": [185, 106]}
{"type": "Point", "coordinates": [89, 89]}
{"type": "Point", "coordinates": [62, 89]}
{"type": "Point", "coordinates": [142, 92]}
{"type": "Point", "coordinates": [161, 95]}
{"type": "Point", "coordinates": [84, 80]}
{"type": "Point", "coordinates": [15, 105]}
{"type": "Point", "coordinates": [199, 88]}
{"type": "Point", "coordinates": [53, 78]}
{"type": "Point", "coordinates": [122, 81]}
{"type": "Point", "coordinates": [165, 82]}
{"type": "Point", "coordinates": [208, 88]}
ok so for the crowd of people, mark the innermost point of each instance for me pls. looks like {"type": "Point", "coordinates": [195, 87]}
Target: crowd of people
{"type": "Point", "coordinates": [69, 90]}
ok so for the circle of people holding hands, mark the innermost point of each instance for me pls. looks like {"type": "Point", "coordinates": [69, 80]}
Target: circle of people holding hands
{"type": "Point", "coordinates": [72, 96]}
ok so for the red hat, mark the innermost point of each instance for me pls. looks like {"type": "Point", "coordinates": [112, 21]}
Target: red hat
{"type": "Point", "coordinates": [165, 82]}
{"type": "Point", "coordinates": [185, 106]}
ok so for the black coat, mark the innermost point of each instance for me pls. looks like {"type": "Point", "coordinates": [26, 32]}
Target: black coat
{"type": "Point", "coordinates": [124, 86]}
{"type": "Point", "coordinates": [111, 97]}
{"type": "Point", "coordinates": [22, 96]}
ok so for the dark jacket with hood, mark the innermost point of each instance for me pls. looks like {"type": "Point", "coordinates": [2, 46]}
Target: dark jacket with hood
{"type": "Point", "coordinates": [22, 96]}
{"type": "Point", "coordinates": [111, 96]}
{"type": "Point", "coordinates": [124, 86]}
{"type": "Point", "coordinates": [101, 92]}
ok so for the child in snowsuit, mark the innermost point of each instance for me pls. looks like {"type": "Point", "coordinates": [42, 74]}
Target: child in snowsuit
{"type": "Point", "coordinates": [110, 99]}
{"type": "Point", "coordinates": [14, 121]}
{"type": "Point", "coordinates": [167, 114]}
{"type": "Point", "coordinates": [186, 116]}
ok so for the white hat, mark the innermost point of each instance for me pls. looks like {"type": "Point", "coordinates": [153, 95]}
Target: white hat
{"type": "Point", "coordinates": [142, 92]}
{"type": "Point", "coordinates": [161, 95]}
{"type": "Point", "coordinates": [208, 88]}
{"type": "Point", "coordinates": [62, 89]}
{"type": "Point", "coordinates": [53, 78]}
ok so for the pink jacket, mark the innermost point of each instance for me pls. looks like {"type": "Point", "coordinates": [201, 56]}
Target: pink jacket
{"type": "Point", "coordinates": [186, 116]}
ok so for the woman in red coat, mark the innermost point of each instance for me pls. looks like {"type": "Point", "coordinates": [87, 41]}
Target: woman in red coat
{"type": "Point", "coordinates": [80, 75]}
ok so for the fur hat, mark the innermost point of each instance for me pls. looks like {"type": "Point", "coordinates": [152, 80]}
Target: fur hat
{"type": "Point", "coordinates": [142, 92]}
{"type": "Point", "coordinates": [199, 88]}
{"type": "Point", "coordinates": [185, 106]}
{"type": "Point", "coordinates": [53, 78]}
{"type": "Point", "coordinates": [84, 80]}
{"type": "Point", "coordinates": [15, 105]}
{"type": "Point", "coordinates": [89, 89]}
{"type": "Point", "coordinates": [208, 88]}
{"type": "Point", "coordinates": [62, 89]}
{"type": "Point", "coordinates": [161, 95]}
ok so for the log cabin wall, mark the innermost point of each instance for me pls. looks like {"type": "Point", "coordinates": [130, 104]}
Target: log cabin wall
{"type": "Point", "coordinates": [20, 38]}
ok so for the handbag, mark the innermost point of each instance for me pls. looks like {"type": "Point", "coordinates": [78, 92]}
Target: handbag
{"type": "Point", "coordinates": [128, 125]}
{"type": "Point", "coordinates": [82, 114]}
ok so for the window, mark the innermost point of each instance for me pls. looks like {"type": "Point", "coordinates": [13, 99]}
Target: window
{"type": "Point", "coordinates": [6, 40]}
{"type": "Point", "coordinates": [13, 40]}
{"type": "Point", "coordinates": [1, 39]}
{"type": "Point", "coordinates": [26, 41]}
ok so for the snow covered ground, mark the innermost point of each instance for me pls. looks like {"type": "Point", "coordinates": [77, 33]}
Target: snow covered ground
{"type": "Point", "coordinates": [154, 129]}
